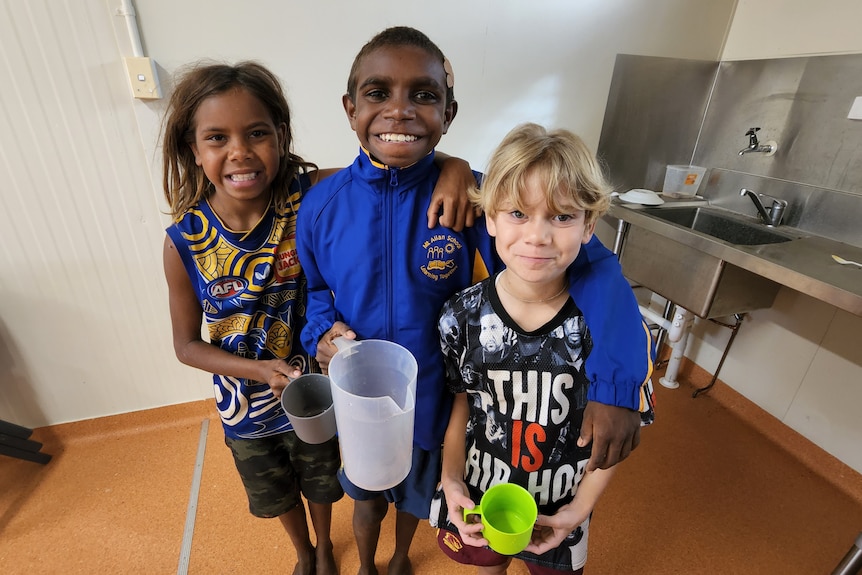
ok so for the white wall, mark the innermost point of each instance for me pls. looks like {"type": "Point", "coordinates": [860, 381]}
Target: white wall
{"type": "Point", "coordinates": [83, 324]}
{"type": "Point", "coordinates": [787, 28]}
{"type": "Point", "coordinates": [84, 327]}
{"type": "Point", "coordinates": [799, 360]}
{"type": "Point", "coordinates": [548, 60]}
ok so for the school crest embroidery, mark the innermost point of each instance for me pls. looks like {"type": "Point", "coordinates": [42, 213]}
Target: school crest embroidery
{"type": "Point", "coordinates": [441, 251]}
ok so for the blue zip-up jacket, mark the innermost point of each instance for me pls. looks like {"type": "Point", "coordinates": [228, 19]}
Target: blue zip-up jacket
{"type": "Point", "coordinates": [623, 355]}
{"type": "Point", "coordinates": [372, 262]}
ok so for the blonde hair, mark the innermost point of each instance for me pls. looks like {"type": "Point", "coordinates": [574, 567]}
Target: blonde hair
{"type": "Point", "coordinates": [559, 157]}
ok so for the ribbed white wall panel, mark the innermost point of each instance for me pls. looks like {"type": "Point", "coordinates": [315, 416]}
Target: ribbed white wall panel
{"type": "Point", "coordinates": [84, 330]}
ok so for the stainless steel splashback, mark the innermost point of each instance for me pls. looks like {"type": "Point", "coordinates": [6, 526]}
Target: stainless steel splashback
{"type": "Point", "coordinates": [654, 113]}
{"type": "Point", "coordinates": [829, 213]}
{"type": "Point", "coordinates": [669, 111]}
{"type": "Point", "coordinates": [801, 103]}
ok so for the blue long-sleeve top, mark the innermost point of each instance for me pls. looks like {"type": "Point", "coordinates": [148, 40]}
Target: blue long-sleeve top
{"type": "Point", "coordinates": [372, 262]}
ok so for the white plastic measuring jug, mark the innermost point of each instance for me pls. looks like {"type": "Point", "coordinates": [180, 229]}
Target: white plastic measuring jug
{"type": "Point", "coordinates": [374, 395]}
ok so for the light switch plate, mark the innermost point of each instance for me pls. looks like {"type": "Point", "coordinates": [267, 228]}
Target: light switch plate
{"type": "Point", "coordinates": [856, 109]}
{"type": "Point", "coordinates": [143, 78]}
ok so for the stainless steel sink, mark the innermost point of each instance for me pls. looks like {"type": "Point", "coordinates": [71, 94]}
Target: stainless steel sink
{"type": "Point", "coordinates": [703, 284]}
{"type": "Point", "coordinates": [731, 228]}
{"type": "Point", "coordinates": [715, 262]}
{"type": "Point", "coordinates": [684, 274]}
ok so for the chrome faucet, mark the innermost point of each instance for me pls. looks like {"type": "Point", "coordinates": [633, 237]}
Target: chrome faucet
{"type": "Point", "coordinates": [772, 216]}
{"type": "Point", "coordinates": [754, 146]}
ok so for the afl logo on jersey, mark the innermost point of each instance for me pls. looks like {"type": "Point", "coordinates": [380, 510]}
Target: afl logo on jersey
{"type": "Point", "coordinates": [286, 259]}
{"type": "Point", "coordinates": [227, 288]}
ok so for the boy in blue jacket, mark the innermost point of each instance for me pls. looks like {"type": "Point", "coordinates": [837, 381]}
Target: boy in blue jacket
{"type": "Point", "coordinates": [375, 271]}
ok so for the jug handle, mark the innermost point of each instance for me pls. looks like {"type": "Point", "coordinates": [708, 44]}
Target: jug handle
{"type": "Point", "coordinates": [343, 343]}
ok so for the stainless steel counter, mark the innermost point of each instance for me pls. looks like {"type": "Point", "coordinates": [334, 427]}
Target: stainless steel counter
{"type": "Point", "coordinates": [804, 264]}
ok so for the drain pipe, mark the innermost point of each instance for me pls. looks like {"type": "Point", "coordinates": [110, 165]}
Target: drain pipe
{"type": "Point", "coordinates": [677, 330]}
{"type": "Point", "coordinates": [127, 10]}
{"type": "Point", "coordinates": [682, 320]}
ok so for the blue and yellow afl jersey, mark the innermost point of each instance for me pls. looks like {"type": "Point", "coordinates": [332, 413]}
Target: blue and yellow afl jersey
{"type": "Point", "coordinates": [252, 292]}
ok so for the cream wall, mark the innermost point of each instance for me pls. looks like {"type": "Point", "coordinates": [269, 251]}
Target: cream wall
{"type": "Point", "coordinates": [83, 324]}
{"type": "Point", "coordinates": [800, 360]}
{"type": "Point", "coordinates": [787, 28]}
{"type": "Point", "coordinates": [84, 327]}
{"type": "Point", "coordinates": [548, 61]}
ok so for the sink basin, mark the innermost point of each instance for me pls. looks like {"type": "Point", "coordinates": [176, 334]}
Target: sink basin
{"type": "Point", "coordinates": [722, 225]}
{"type": "Point", "coordinates": [708, 260]}
{"type": "Point", "coordinates": [702, 283]}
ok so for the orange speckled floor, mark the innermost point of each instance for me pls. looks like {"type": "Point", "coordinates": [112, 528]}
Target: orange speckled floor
{"type": "Point", "coordinates": [717, 486]}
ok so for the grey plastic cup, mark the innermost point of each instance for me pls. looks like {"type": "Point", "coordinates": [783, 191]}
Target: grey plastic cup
{"type": "Point", "coordinates": [307, 401]}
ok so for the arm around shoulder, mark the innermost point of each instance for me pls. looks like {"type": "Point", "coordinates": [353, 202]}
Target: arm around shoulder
{"type": "Point", "coordinates": [622, 358]}
{"type": "Point", "coordinates": [621, 361]}
{"type": "Point", "coordinates": [450, 206]}
{"type": "Point", "coordinates": [321, 174]}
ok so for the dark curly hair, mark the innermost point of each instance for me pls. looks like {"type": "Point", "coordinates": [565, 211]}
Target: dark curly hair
{"type": "Point", "coordinates": [184, 182]}
{"type": "Point", "coordinates": [398, 36]}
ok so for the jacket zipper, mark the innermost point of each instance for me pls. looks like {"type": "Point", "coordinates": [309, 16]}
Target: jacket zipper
{"type": "Point", "coordinates": [389, 224]}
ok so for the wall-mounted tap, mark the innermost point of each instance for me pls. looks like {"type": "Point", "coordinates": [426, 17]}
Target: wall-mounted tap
{"type": "Point", "coordinates": [769, 148]}
{"type": "Point", "coordinates": [771, 216]}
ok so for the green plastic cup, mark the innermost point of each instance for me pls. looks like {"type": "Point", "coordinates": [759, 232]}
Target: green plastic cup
{"type": "Point", "coordinates": [508, 513]}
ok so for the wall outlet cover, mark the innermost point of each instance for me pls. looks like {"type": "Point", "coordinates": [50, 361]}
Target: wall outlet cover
{"type": "Point", "coordinates": [143, 78]}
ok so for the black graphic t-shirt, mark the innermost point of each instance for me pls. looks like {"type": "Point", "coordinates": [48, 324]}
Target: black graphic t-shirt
{"type": "Point", "coordinates": [527, 393]}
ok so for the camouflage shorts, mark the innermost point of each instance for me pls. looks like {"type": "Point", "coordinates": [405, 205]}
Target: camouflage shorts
{"type": "Point", "coordinates": [275, 470]}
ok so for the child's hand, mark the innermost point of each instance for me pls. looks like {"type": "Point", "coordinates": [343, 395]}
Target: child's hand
{"type": "Point", "coordinates": [279, 375]}
{"type": "Point", "coordinates": [614, 431]}
{"type": "Point", "coordinates": [458, 499]}
{"type": "Point", "coordinates": [551, 530]}
{"type": "Point", "coordinates": [450, 194]}
{"type": "Point", "coordinates": [326, 349]}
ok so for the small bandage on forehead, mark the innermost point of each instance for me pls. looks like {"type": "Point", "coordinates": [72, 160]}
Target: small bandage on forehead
{"type": "Point", "coordinates": [450, 75]}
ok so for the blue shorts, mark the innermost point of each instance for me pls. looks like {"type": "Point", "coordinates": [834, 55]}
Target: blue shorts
{"type": "Point", "coordinates": [413, 495]}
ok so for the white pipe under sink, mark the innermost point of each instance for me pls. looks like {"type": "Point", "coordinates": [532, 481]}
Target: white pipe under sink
{"type": "Point", "coordinates": [678, 329]}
